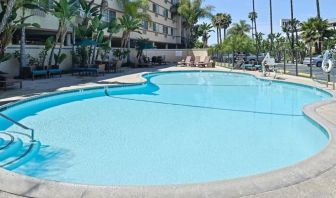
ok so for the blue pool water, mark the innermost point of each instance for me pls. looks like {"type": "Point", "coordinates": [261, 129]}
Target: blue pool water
{"type": "Point", "coordinates": [180, 127]}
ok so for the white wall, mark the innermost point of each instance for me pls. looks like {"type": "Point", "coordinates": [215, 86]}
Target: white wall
{"type": "Point", "coordinates": [12, 66]}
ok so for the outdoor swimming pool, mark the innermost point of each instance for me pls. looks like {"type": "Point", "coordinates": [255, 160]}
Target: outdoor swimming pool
{"type": "Point", "coordinates": [178, 128]}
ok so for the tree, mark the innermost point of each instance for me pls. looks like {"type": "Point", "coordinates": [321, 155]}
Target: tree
{"type": "Point", "coordinates": [13, 23]}
{"type": "Point", "coordinates": [271, 26]}
{"type": "Point", "coordinates": [129, 25]}
{"type": "Point", "coordinates": [192, 11]}
{"type": "Point", "coordinates": [131, 8]}
{"type": "Point", "coordinates": [252, 16]}
{"type": "Point", "coordinates": [255, 16]}
{"type": "Point", "coordinates": [217, 23]}
{"type": "Point", "coordinates": [113, 27]}
{"type": "Point", "coordinates": [226, 22]}
{"type": "Point", "coordinates": [24, 5]}
{"type": "Point", "coordinates": [204, 30]}
{"type": "Point", "coordinates": [318, 9]}
{"type": "Point", "coordinates": [322, 27]}
{"type": "Point", "coordinates": [240, 28]}
{"type": "Point", "coordinates": [310, 35]}
{"type": "Point", "coordinates": [292, 28]}
{"type": "Point", "coordinates": [237, 43]}
{"type": "Point", "coordinates": [6, 13]}
{"type": "Point", "coordinates": [64, 11]}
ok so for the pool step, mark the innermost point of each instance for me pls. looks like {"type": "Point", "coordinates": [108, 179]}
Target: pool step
{"type": "Point", "coordinates": [11, 149]}
{"type": "Point", "coordinates": [23, 156]}
{"type": "Point", "coordinates": [16, 149]}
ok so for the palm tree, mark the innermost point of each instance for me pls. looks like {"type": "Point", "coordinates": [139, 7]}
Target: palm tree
{"type": "Point", "coordinates": [131, 8]}
{"type": "Point", "coordinates": [240, 28]}
{"type": "Point", "coordinates": [8, 12]}
{"type": "Point", "coordinates": [252, 16]}
{"type": "Point", "coordinates": [255, 16]}
{"type": "Point", "coordinates": [292, 30]}
{"type": "Point", "coordinates": [24, 5]}
{"type": "Point", "coordinates": [318, 9]}
{"type": "Point", "coordinates": [271, 26]}
{"type": "Point", "coordinates": [129, 25]}
{"type": "Point", "coordinates": [295, 25]}
{"type": "Point", "coordinates": [226, 22]}
{"type": "Point", "coordinates": [204, 30]}
{"type": "Point", "coordinates": [310, 35]}
{"type": "Point", "coordinates": [322, 27]}
{"type": "Point", "coordinates": [113, 27]}
{"type": "Point", "coordinates": [192, 11]}
{"type": "Point", "coordinates": [217, 22]}
{"type": "Point", "coordinates": [64, 11]}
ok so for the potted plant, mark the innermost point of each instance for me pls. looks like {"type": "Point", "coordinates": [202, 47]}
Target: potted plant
{"type": "Point", "coordinates": [121, 55]}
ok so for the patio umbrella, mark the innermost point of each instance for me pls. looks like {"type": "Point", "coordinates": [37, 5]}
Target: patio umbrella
{"type": "Point", "coordinates": [87, 42]}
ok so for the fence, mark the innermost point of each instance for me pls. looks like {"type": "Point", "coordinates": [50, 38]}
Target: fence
{"type": "Point", "coordinates": [296, 68]}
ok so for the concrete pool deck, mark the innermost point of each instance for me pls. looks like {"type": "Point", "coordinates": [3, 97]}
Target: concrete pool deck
{"type": "Point", "coordinates": [315, 177]}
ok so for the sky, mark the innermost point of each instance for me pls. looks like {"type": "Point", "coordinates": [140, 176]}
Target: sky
{"type": "Point", "coordinates": [239, 9]}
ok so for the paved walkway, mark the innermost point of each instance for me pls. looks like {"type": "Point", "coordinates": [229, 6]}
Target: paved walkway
{"type": "Point", "coordinates": [321, 186]}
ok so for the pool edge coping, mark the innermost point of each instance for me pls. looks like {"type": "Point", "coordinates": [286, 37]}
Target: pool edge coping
{"type": "Point", "coordinates": [251, 185]}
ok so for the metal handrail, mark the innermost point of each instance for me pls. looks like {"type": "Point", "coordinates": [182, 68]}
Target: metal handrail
{"type": "Point", "coordinates": [32, 132]}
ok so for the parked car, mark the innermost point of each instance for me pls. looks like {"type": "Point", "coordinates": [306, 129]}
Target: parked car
{"type": "Point", "coordinates": [316, 61]}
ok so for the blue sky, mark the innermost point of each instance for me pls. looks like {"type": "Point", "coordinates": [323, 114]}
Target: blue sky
{"type": "Point", "coordinates": [303, 9]}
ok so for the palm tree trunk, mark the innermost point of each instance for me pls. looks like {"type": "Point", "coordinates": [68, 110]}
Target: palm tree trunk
{"type": "Point", "coordinates": [220, 35]}
{"type": "Point", "coordinates": [310, 61]}
{"type": "Point", "coordinates": [252, 29]}
{"type": "Point", "coordinates": [58, 34]}
{"type": "Point", "coordinates": [318, 9]}
{"type": "Point", "coordinates": [271, 25]}
{"type": "Point", "coordinates": [224, 33]}
{"type": "Point", "coordinates": [110, 40]}
{"type": "Point", "coordinates": [61, 44]}
{"type": "Point", "coordinates": [292, 30]}
{"type": "Point", "coordinates": [256, 32]}
{"type": "Point", "coordinates": [9, 8]}
{"type": "Point", "coordinates": [23, 57]}
{"type": "Point", "coordinates": [217, 36]}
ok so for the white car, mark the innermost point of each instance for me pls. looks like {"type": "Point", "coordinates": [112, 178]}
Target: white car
{"type": "Point", "coordinates": [316, 61]}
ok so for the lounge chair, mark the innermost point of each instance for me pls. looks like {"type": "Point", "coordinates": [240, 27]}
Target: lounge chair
{"type": "Point", "coordinates": [197, 61]}
{"type": "Point", "coordinates": [144, 62]}
{"type": "Point", "coordinates": [251, 66]}
{"type": "Point", "coordinates": [206, 62]}
{"type": "Point", "coordinates": [55, 70]}
{"type": "Point", "coordinates": [185, 62]}
{"type": "Point", "coordinates": [39, 71]}
{"type": "Point", "coordinates": [6, 82]}
{"type": "Point", "coordinates": [88, 70]}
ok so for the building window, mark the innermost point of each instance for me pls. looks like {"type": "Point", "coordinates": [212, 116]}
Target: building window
{"type": "Point", "coordinates": [165, 29]}
{"type": "Point", "coordinates": [156, 8]}
{"type": "Point", "coordinates": [155, 27]}
{"type": "Point", "coordinates": [166, 13]}
{"type": "Point", "coordinates": [109, 15]}
{"type": "Point", "coordinates": [172, 31]}
{"type": "Point", "coordinates": [145, 25]}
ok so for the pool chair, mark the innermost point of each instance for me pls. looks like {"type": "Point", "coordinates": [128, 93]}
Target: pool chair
{"type": "Point", "coordinates": [185, 62]}
{"type": "Point", "coordinates": [39, 71]}
{"type": "Point", "coordinates": [55, 70]}
{"type": "Point", "coordinates": [248, 66]}
{"type": "Point", "coordinates": [6, 83]}
{"type": "Point", "coordinates": [206, 62]}
{"type": "Point", "coordinates": [197, 61]}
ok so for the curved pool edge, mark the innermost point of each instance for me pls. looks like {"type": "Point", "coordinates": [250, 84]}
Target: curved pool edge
{"type": "Point", "coordinates": [310, 168]}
